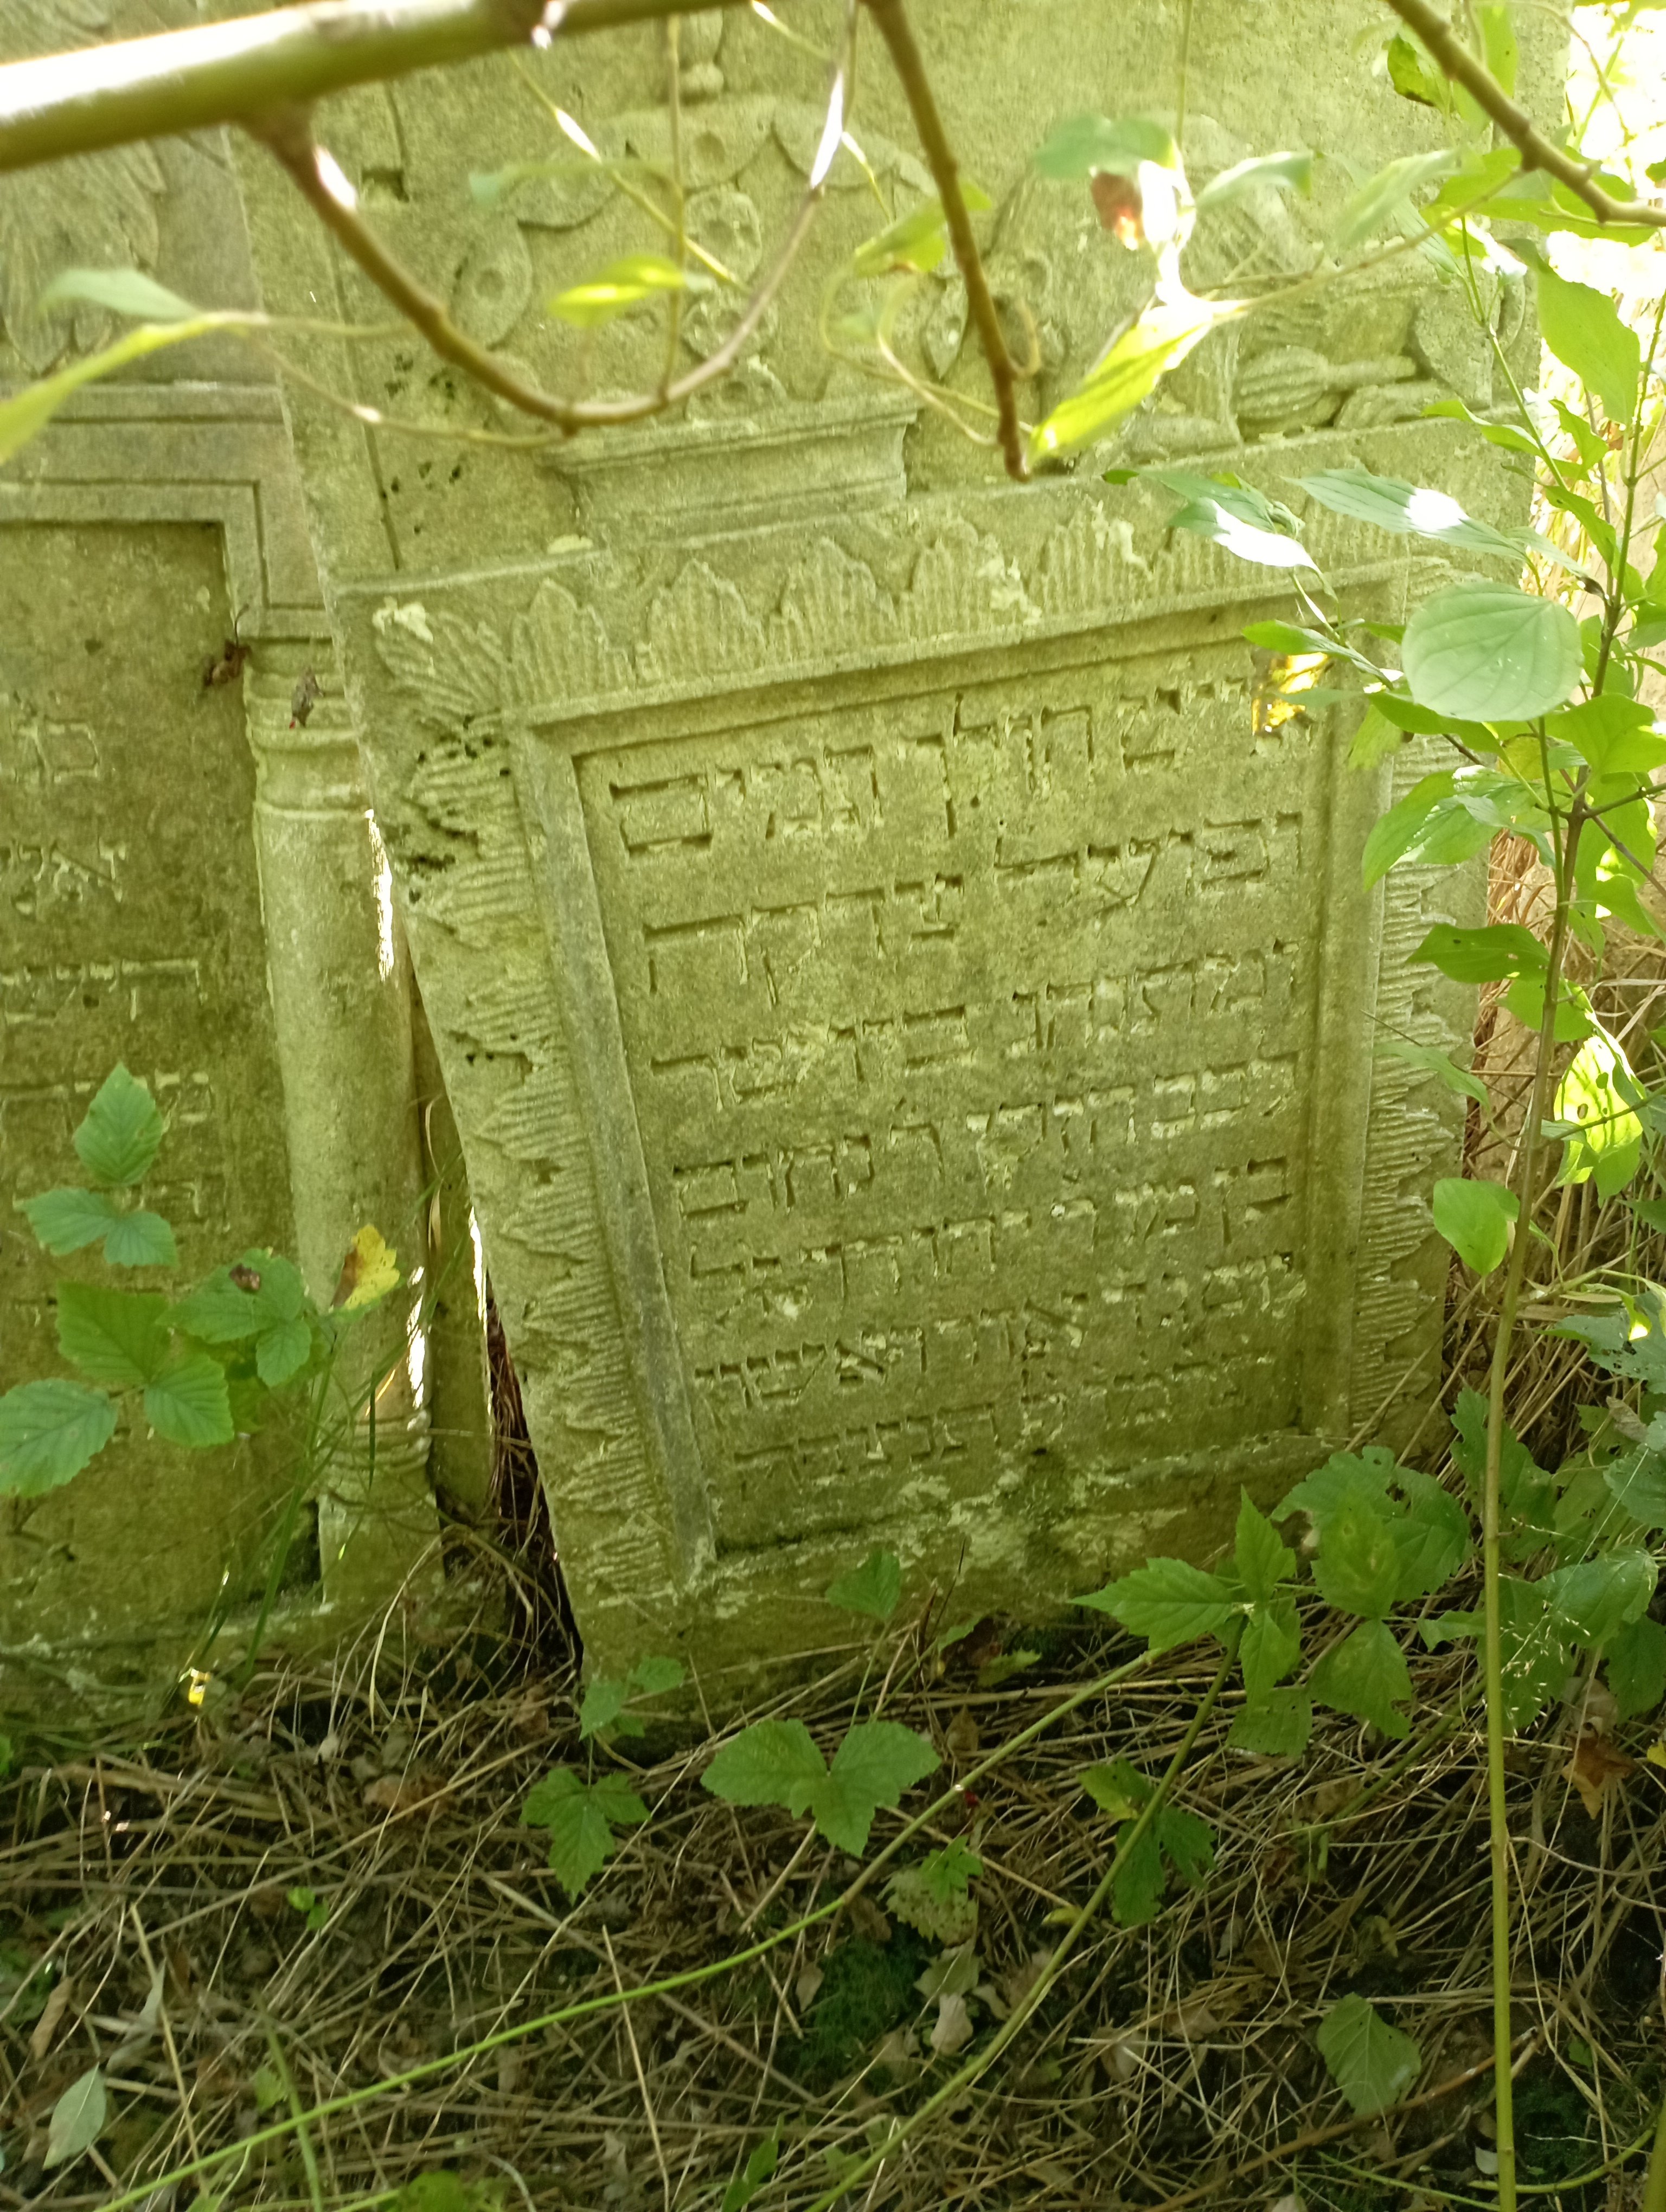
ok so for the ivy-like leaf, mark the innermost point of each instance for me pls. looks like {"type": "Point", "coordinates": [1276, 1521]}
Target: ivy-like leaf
{"type": "Point", "coordinates": [1365, 1674]}
{"type": "Point", "coordinates": [874, 1589]}
{"type": "Point", "coordinates": [48, 1432]}
{"type": "Point", "coordinates": [118, 1139]}
{"type": "Point", "coordinates": [115, 1337]}
{"type": "Point", "coordinates": [580, 1818]}
{"type": "Point", "coordinates": [1168, 1601]}
{"type": "Point", "coordinates": [188, 1404]}
{"type": "Point", "coordinates": [1371, 2062]}
{"type": "Point", "coordinates": [875, 1764]}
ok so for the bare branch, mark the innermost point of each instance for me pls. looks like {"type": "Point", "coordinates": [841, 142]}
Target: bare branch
{"type": "Point", "coordinates": [898, 35]}
{"type": "Point", "coordinates": [1462, 67]}
{"type": "Point", "coordinates": [178, 80]}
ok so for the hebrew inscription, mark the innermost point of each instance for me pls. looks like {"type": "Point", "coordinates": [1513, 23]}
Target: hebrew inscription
{"type": "Point", "coordinates": [971, 1043]}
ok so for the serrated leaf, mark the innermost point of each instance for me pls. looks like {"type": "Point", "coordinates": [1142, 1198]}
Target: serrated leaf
{"type": "Point", "coordinates": [1270, 1645]}
{"type": "Point", "coordinates": [1364, 1675]}
{"type": "Point", "coordinates": [1490, 653]}
{"type": "Point", "coordinates": [1187, 1842]}
{"type": "Point", "coordinates": [603, 1704]}
{"type": "Point", "coordinates": [77, 2120]}
{"type": "Point", "coordinates": [935, 1896]}
{"type": "Point", "coordinates": [1433, 1538]}
{"type": "Point", "coordinates": [1168, 1601]}
{"type": "Point", "coordinates": [187, 1403]}
{"type": "Point", "coordinates": [1261, 1558]}
{"type": "Point", "coordinates": [117, 1139]}
{"type": "Point", "coordinates": [1136, 1889]}
{"type": "Point", "coordinates": [654, 1676]}
{"type": "Point", "coordinates": [1595, 1599]}
{"type": "Point", "coordinates": [770, 1763]}
{"type": "Point", "coordinates": [874, 1589]}
{"type": "Point", "coordinates": [875, 1764]}
{"type": "Point", "coordinates": [1358, 1569]}
{"type": "Point", "coordinates": [1475, 1216]}
{"type": "Point", "coordinates": [580, 1820]}
{"type": "Point", "coordinates": [141, 1240]}
{"type": "Point", "coordinates": [256, 1292]}
{"type": "Point", "coordinates": [70, 1219]}
{"type": "Point", "coordinates": [48, 1432]}
{"type": "Point", "coordinates": [1116, 1787]}
{"type": "Point", "coordinates": [1372, 2062]}
{"type": "Point", "coordinates": [1637, 1667]}
{"type": "Point", "coordinates": [1344, 1478]}
{"type": "Point", "coordinates": [115, 1337]}
{"type": "Point", "coordinates": [279, 1353]}
{"type": "Point", "coordinates": [1277, 1725]}
{"type": "Point", "coordinates": [1639, 1485]}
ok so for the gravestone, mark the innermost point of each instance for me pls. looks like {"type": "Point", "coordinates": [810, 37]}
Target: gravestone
{"type": "Point", "coordinates": [911, 1013]}
{"type": "Point", "coordinates": [190, 881]}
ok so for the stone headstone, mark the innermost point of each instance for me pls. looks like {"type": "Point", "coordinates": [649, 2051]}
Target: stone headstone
{"type": "Point", "coordinates": [910, 1014]}
{"type": "Point", "coordinates": [191, 882]}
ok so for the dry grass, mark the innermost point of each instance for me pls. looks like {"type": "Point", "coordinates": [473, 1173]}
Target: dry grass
{"type": "Point", "coordinates": [1171, 2059]}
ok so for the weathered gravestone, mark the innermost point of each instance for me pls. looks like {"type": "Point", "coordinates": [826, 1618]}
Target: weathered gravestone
{"type": "Point", "coordinates": [911, 1019]}
{"type": "Point", "coordinates": [190, 882]}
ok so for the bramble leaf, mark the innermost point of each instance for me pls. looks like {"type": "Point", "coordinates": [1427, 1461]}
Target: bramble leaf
{"type": "Point", "coordinates": [48, 1432]}
{"type": "Point", "coordinates": [1364, 1674]}
{"type": "Point", "coordinates": [1595, 1599]}
{"type": "Point", "coordinates": [1358, 1567]}
{"type": "Point", "coordinates": [1276, 1725]}
{"type": "Point", "coordinates": [770, 1763]}
{"type": "Point", "coordinates": [1637, 1667]}
{"type": "Point", "coordinates": [118, 1139]}
{"type": "Point", "coordinates": [115, 1337]}
{"type": "Point", "coordinates": [281, 1352]}
{"type": "Point", "coordinates": [1168, 1601]}
{"type": "Point", "coordinates": [187, 1403]}
{"type": "Point", "coordinates": [875, 1764]}
{"type": "Point", "coordinates": [68, 1220]}
{"type": "Point", "coordinates": [580, 1818]}
{"type": "Point", "coordinates": [874, 1589]}
{"type": "Point", "coordinates": [1270, 1645]}
{"type": "Point", "coordinates": [1371, 2062]}
{"type": "Point", "coordinates": [141, 1239]}
{"type": "Point", "coordinates": [1261, 1558]}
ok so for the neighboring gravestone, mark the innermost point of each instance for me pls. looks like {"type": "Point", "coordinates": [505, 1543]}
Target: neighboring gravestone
{"type": "Point", "coordinates": [220, 918]}
{"type": "Point", "coordinates": [909, 1014]}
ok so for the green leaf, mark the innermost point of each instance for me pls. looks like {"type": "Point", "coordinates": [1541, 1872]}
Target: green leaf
{"type": "Point", "coordinates": [68, 1220]}
{"type": "Point", "coordinates": [1187, 1842]}
{"type": "Point", "coordinates": [1168, 1601]}
{"type": "Point", "coordinates": [1295, 170]}
{"type": "Point", "coordinates": [1411, 76]}
{"type": "Point", "coordinates": [935, 1897]}
{"type": "Point", "coordinates": [77, 2120]}
{"type": "Point", "coordinates": [1474, 1217]}
{"type": "Point", "coordinates": [1261, 1558]}
{"type": "Point", "coordinates": [118, 1139]}
{"type": "Point", "coordinates": [1136, 1889]}
{"type": "Point", "coordinates": [654, 1676]}
{"type": "Point", "coordinates": [1433, 1538]}
{"type": "Point", "coordinates": [1081, 144]}
{"type": "Point", "coordinates": [1497, 42]}
{"type": "Point", "coordinates": [915, 240]}
{"type": "Point", "coordinates": [1595, 1599]}
{"type": "Point", "coordinates": [1483, 956]}
{"type": "Point", "coordinates": [1638, 1487]}
{"type": "Point", "coordinates": [1371, 2062]}
{"type": "Point", "coordinates": [1582, 329]}
{"type": "Point", "coordinates": [28, 411]}
{"type": "Point", "coordinates": [116, 1337]}
{"type": "Point", "coordinates": [123, 291]}
{"type": "Point", "coordinates": [1129, 373]}
{"type": "Point", "coordinates": [257, 1292]}
{"type": "Point", "coordinates": [1615, 735]}
{"type": "Point", "coordinates": [1496, 433]}
{"type": "Point", "coordinates": [1267, 548]}
{"type": "Point", "coordinates": [1408, 510]}
{"type": "Point", "coordinates": [1596, 1104]}
{"type": "Point", "coordinates": [1270, 1645]}
{"type": "Point", "coordinates": [874, 1589]}
{"type": "Point", "coordinates": [187, 1403]}
{"type": "Point", "coordinates": [623, 284]}
{"type": "Point", "coordinates": [760, 2167]}
{"type": "Point", "coordinates": [1491, 654]}
{"type": "Point", "coordinates": [1358, 1566]}
{"type": "Point", "coordinates": [1383, 197]}
{"type": "Point", "coordinates": [1365, 1674]}
{"type": "Point", "coordinates": [603, 1704]}
{"type": "Point", "coordinates": [279, 1353]}
{"type": "Point", "coordinates": [875, 1764]}
{"type": "Point", "coordinates": [1116, 1787]}
{"type": "Point", "coordinates": [1458, 1080]}
{"type": "Point", "coordinates": [1411, 826]}
{"type": "Point", "coordinates": [141, 1239]}
{"type": "Point", "coordinates": [1374, 740]}
{"type": "Point", "coordinates": [48, 1432]}
{"type": "Point", "coordinates": [580, 1818]}
{"type": "Point", "coordinates": [1276, 1725]}
{"type": "Point", "coordinates": [1637, 1667]}
{"type": "Point", "coordinates": [1345, 1478]}
{"type": "Point", "coordinates": [770, 1763]}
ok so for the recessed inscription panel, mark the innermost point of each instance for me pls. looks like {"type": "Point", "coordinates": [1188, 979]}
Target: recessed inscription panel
{"type": "Point", "coordinates": [971, 1042]}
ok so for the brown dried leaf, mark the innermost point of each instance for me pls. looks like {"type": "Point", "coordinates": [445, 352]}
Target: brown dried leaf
{"type": "Point", "coordinates": [58, 2000]}
{"type": "Point", "coordinates": [868, 1920]}
{"type": "Point", "coordinates": [402, 1793]}
{"type": "Point", "coordinates": [952, 2029]}
{"type": "Point", "coordinates": [961, 1738]}
{"type": "Point", "coordinates": [1594, 1765]}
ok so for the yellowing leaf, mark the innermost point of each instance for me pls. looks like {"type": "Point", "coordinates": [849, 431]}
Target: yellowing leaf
{"type": "Point", "coordinates": [369, 1273]}
{"type": "Point", "coordinates": [1129, 373]}
{"type": "Point", "coordinates": [623, 284]}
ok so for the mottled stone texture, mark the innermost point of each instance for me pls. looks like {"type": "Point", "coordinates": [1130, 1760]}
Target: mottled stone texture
{"type": "Point", "coordinates": [190, 882]}
{"type": "Point", "coordinates": [910, 1021]}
